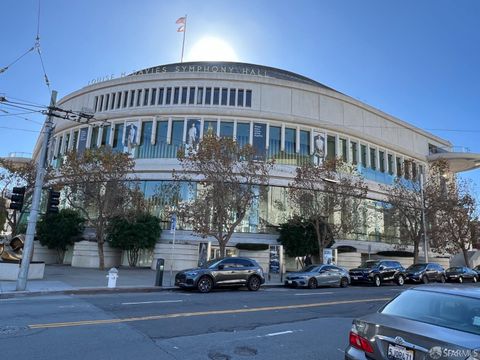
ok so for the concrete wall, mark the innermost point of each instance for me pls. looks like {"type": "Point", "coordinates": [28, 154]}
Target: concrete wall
{"type": "Point", "coordinates": [458, 260]}
{"type": "Point", "coordinates": [42, 253]}
{"type": "Point", "coordinates": [184, 256]}
{"type": "Point", "coordinates": [349, 260]}
{"type": "Point", "coordinates": [262, 257]}
{"type": "Point", "coordinates": [9, 271]}
{"type": "Point", "coordinates": [145, 258]}
{"type": "Point", "coordinates": [85, 254]}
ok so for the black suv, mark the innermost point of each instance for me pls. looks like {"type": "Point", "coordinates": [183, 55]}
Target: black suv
{"type": "Point", "coordinates": [425, 273]}
{"type": "Point", "coordinates": [229, 272]}
{"type": "Point", "coordinates": [378, 271]}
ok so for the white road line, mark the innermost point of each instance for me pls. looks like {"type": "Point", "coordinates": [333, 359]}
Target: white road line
{"type": "Point", "coordinates": [152, 302]}
{"type": "Point", "coordinates": [342, 351]}
{"type": "Point", "coordinates": [280, 333]}
{"type": "Point", "coordinates": [314, 293]}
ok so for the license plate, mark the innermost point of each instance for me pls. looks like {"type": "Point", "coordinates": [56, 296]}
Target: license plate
{"type": "Point", "coordinates": [289, 281]}
{"type": "Point", "coordinates": [396, 352]}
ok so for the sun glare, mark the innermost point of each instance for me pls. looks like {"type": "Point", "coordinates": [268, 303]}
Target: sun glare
{"type": "Point", "coordinates": [212, 49]}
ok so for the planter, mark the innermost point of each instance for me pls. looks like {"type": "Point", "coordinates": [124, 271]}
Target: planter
{"type": "Point", "coordinates": [9, 270]}
{"type": "Point", "coordinates": [184, 256]}
{"type": "Point", "coordinates": [85, 255]}
{"type": "Point", "coordinates": [44, 254]}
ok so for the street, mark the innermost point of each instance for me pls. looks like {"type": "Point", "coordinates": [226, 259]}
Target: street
{"type": "Point", "coordinates": [273, 323]}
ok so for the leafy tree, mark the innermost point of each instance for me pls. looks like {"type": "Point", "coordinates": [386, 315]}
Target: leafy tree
{"type": "Point", "coordinates": [95, 183]}
{"type": "Point", "coordinates": [319, 193]}
{"type": "Point", "coordinates": [230, 180]}
{"type": "Point", "coordinates": [134, 233]}
{"type": "Point", "coordinates": [57, 231]}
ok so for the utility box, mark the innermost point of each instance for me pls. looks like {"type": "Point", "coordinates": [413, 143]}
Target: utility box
{"type": "Point", "coordinates": [160, 269]}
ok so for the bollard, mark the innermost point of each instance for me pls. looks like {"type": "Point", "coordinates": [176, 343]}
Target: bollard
{"type": "Point", "coordinates": [160, 267]}
{"type": "Point", "coordinates": [112, 277]}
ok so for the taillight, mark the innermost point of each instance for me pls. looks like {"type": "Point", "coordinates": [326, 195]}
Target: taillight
{"type": "Point", "coordinates": [360, 343]}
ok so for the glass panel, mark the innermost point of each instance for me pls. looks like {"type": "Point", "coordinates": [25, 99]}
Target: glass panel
{"type": "Point", "coordinates": [153, 97]}
{"type": "Point", "coordinates": [274, 142]}
{"type": "Point", "coordinates": [224, 96]}
{"type": "Point", "coordinates": [125, 99]}
{"type": "Point", "coordinates": [381, 158]}
{"type": "Point", "coordinates": [243, 134]}
{"type": "Point", "coordinates": [216, 96]}
{"type": "Point", "coordinates": [176, 94]}
{"type": "Point", "coordinates": [343, 149]}
{"type": "Point", "coordinates": [191, 96]}
{"type": "Point", "coordinates": [177, 132]}
{"type": "Point", "coordinates": [399, 167]}
{"type": "Point", "coordinates": [119, 99]}
{"type": "Point", "coordinates": [373, 158]}
{"type": "Point", "coordinates": [363, 155]}
{"type": "Point", "coordinates": [106, 135]}
{"type": "Point", "coordinates": [112, 104]}
{"type": "Point", "coordinates": [290, 141]}
{"type": "Point", "coordinates": [139, 97]}
{"type": "Point", "coordinates": [168, 97]}
{"type": "Point", "coordinates": [67, 142]}
{"type": "Point", "coordinates": [331, 153]}
{"type": "Point", "coordinates": [117, 137]}
{"type": "Point", "coordinates": [145, 97]}
{"type": "Point", "coordinates": [226, 129]}
{"type": "Point", "coordinates": [353, 152]}
{"type": "Point", "coordinates": [248, 99]}
{"type": "Point", "coordinates": [184, 95]}
{"type": "Point", "coordinates": [161, 93]}
{"type": "Point", "coordinates": [75, 139]}
{"type": "Point", "coordinates": [200, 95]}
{"type": "Point", "coordinates": [107, 99]}
{"type": "Point", "coordinates": [240, 98]}
{"type": "Point", "coordinates": [145, 149]}
{"type": "Point", "coordinates": [390, 164]}
{"type": "Point", "coordinates": [210, 127]}
{"type": "Point", "coordinates": [132, 97]}
{"type": "Point", "coordinates": [208, 96]}
{"type": "Point", "coordinates": [304, 143]}
{"type": "Point", "coordinates": [94, 137]}
{"type": "Point", "coordinates": [100, 105]}
{"type": "Point", "coordinates": [233, 94]}
{"type": "Point", "coordinates": [95, 103]}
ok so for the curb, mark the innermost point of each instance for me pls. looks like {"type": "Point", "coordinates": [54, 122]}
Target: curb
{"type": "Point", "coordinates": [100, 291]}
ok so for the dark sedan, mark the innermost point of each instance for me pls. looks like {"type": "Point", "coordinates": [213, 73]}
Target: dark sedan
{"type": "Point", "coordinates": [227, 272]}
{"type": "Point", "coordinates": [421, 323]}
{"type": "Point", "coordinates": [318, 275]}
{"type": "Point", "coordinates": [461, 274]}
{"type": "Point", "coordinates": [425, 273]}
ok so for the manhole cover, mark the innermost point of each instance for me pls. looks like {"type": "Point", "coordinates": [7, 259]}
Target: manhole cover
{"type": "Point", "coordinates": [11, 330]}
{"type": "Point", "coordinates": [245, 351]}
{"type": "Point", "coordinates": [218, 356]}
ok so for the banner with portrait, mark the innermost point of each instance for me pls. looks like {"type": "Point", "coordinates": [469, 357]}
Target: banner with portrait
{"type": "Point", "coordinates": [259, 141]}
{"type": "Point", "coordinates": [319, 147]}
{"type": "Point", "coordinates": [130, 141]}
{"type": "Point", "coordinates": [193, 134]}
{"type": "Point", "coordinates": [82, 140]}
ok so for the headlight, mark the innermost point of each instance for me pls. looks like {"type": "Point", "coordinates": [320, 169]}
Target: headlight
{"type": "Point", "coordinates": [191, 273]}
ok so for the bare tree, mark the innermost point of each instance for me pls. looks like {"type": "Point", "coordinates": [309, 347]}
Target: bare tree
{"type": "Point", "coordinates": [319, 193]}
{"type": "Point", "coordinates": [95, 183]}
{"type": "Point", "coordinates": [229, 181]}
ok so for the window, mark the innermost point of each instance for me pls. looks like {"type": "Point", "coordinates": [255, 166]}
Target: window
{"type": "Point", "coordinates": [145, 149]}
{"type": "Point", "coordinates": [176, 94]}
{"type": "Point", "coordinates": [75, 139]}
{"type": "Point", "coordinates": [353, 152]}
{"type": "Point", "coordinates": [106, 135]}
{"type": "Point", "coordinates": [248, 98]}
{"type": "Point", "coordinates": [107, 99]}
{"type": "Point", "coordinates": [168, 96]}
{"type": "Point", "coordinates": [112, 104]}
{"type": "Point", "coordinates": [373, 158]}
{"type": "Point", "coordinates": [67, 141]}
{"type": "Point", "coordinates": [208, 96]}
{"type": "Point", "coordinates": [343, 149]}
{"type": "Point", "coordinates": [274, 141]}
{"type": "Point", "coordinates": [390, 164]}
{"type": "Point", "coordinates": [399, 166]}
{"type": "Point", "coordinates": [414, 171]}
{"type": "Point", "coordinates": [184, 95]}
{"type": "Point", "coordinates": [146, 93]}
{"type": "Point", "coordinates": [290, 141]}
{"type": "Point", "coordinates": [100, 105]}
{"type": "Point", "coordinates": [177, 132]}
{"type": "Point", "coordinates": [233, 94]}
{"type": "Point", "coordinates": [161, 148]}
{"type": "Point", "coordinates": [210, 127]}
{"type": "Point", "coordinates": [191, 96]}
{"type": "Point", "coordinates": [139, 97]}
{"type": "Point", "coordinates": [226, 129]}
{"type": "Point", "coordinates": [381, 158]}
{"type": "Point", "coordinates": [216, 96]}
{"type": "Point", "coordinates": [94, 138]}
{"type": "Point", "coordinates": [161, 92]}
{"type": "Point", "coordinates": [224, 96]}
{"type": "Point", "coordinates": [331, 153]}
{"type": "Point", "coordinates": [363, 155]}
{"type": "Point", "coordinates": [153, 96]}
{"type": "Point", "coordinates": [117, 137]}
{"type": "Point", "coordinates": [119, 99]}
{"type": "Point", "coordinates": [125, 99]}
{"type": "Point", "coordinates": [95, 103]}
{"type": "Point", "coordinates": [243, 134]}
{"type": "Point", "coordinates": [200, 95]}
{"type": "Point", "coordinates": [304, 143]}
{"type": "Point", "coordinates": [132, 98]}
{"type": "Point", "coordinates": [240, 98]}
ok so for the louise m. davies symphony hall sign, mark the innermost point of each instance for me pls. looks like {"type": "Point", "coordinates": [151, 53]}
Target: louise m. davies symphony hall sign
{"type": "Point", "coordinates": [215, 67]}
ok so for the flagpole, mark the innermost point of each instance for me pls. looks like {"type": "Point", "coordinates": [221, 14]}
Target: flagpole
{"type": "Point", "coordinates": [184, 32]}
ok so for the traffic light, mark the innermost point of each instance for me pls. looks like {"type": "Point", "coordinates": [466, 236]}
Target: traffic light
{"type": "Point", "coordinates": [53, 201]}
{"type": "Point", "coordinates": [18, 193]}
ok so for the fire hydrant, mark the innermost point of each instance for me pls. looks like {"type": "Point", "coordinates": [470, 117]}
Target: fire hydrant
{"type": "Point", "coordinates": [112, 277]}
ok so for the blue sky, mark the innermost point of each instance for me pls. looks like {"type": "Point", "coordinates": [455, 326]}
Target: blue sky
{"type": "Point", "coordinates": [416, 60]}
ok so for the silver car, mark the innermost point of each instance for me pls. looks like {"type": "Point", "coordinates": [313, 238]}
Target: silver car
{"type": "Point", "coordinates": [318, 275]}
{"type": "Point", "coordinates": [422, 323]}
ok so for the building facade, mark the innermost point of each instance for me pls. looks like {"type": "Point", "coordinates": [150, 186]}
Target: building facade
{"type": "Point", "coordinates": [154, 112]}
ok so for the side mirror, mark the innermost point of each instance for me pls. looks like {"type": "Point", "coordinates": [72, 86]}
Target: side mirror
{"type": "Point", "coordinates": [221, 267]}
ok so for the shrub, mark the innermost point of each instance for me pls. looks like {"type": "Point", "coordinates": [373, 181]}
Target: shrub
{"type": "Point", "coordinates": [57, 231]}
{"type": "Point", "coordinates": [133, 234]}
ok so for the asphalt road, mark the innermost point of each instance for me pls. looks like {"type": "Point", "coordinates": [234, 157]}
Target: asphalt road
{"type": "Point", "coordinates": [273, 323]}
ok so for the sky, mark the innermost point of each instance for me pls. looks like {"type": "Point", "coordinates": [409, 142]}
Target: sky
{"type": "Point", "coordinates": [415, 60]}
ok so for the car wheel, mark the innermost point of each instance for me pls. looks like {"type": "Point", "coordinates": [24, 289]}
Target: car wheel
{"type": "Point", "coordinates": [460, 280]}
{"type": "Point", "coordinates": [400, 280]}
{"type": "Point", "coordinates": [425, 279]}
{"type": "Point", "coordinates": [443, 280]}
{"type": "Point", "coordinates": [343, 282]}
{"type": "Point", "coordinates": [377, 281]}
{"type": "Point", "coordinates": [253, 283]}
{"type": "Point", "coordinates": [205, 284]}
{"type": "Point", "coordinates": [312, 283]}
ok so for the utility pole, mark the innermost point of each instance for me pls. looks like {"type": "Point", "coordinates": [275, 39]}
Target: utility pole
{"type": "Point", "coordinates": [424, 224]}
{"type": "Point", "coordinates": [36, 197]}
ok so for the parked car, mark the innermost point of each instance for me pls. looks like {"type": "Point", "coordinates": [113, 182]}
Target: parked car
{"type": "Point", "coordinates": [229, 272]}
{"type": "Point", "coordinates": [420, 323]}
{"type": "Point", "coordinates": [378, 271]}
{"type": "Point", "coordinates": [425, 273]}
{"type": "Point", "coordinates": [461, 274]}
{"type": "Point", "coordinates": [318, 275]}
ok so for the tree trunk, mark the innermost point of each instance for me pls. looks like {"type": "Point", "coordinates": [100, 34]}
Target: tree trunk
{"type": "Point", "coordinates": [320, 239]}
{"type": "Point", "coordinates": [60, 255]}
{"type": "Point", "coordinates": [223, 249]}
{"type": "Point", "coordinates": [101, 257]}
{"type": "Point", "coordinates": [132, 256]}
{"type": "Point", "coordinates": [465, 256]}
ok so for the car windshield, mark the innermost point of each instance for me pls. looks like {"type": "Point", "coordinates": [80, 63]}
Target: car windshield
{"type": "Point", "coordinates": [416, 267]}
{"type": "Point", "coordinates": [310, 268]}
{"type": "Point", "coordinates": [446, 310]}
{"type": "Point", "coordinates": [212, 264]}
{"type": "Point", "coordinates": [477, 267]}
{"type": "Point", "coordinates": [370, 264]}
{"type": "Point", "coordinates": [455, 268]}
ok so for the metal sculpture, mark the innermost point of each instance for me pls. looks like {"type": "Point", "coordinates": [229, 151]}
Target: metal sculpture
{"type": "Point", "coordinates": [12, 250]}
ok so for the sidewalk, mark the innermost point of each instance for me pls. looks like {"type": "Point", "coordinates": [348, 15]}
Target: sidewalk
{"type": "Point", "coordinates": [64, 279]}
